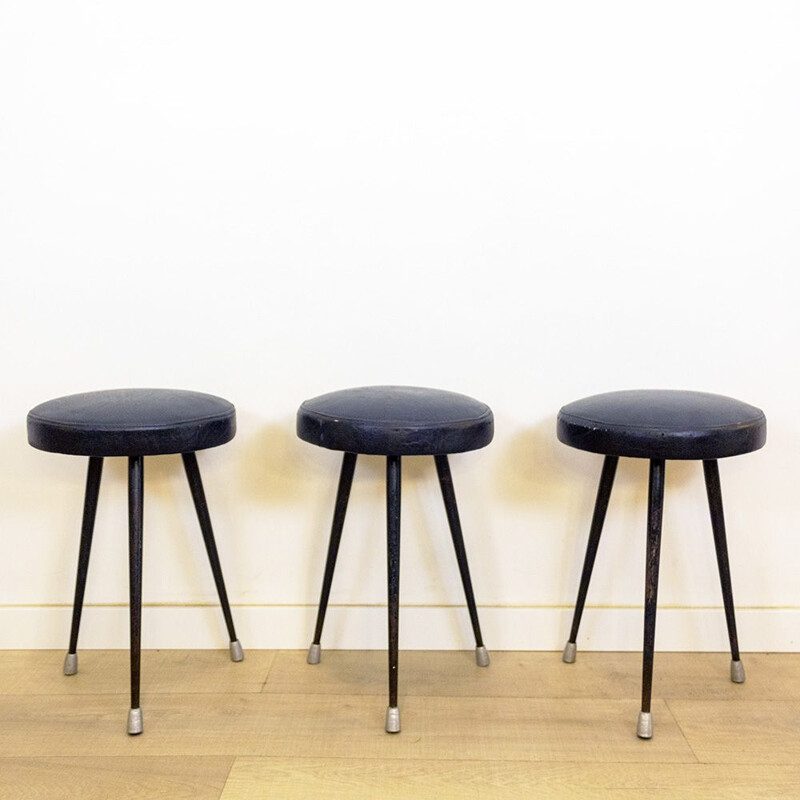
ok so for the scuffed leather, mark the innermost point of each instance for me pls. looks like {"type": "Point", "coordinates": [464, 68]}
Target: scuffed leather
{"type": "Point", "coordinates": [131, 422]}
{"type": "Point", "coordinates": [662, 423]}
{"type": "Point", "coordinates": [396, 420]}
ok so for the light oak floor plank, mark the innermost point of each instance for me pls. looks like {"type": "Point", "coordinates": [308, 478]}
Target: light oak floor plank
{"type": "Point", "coordinates": [537, 674]}
{"type": "Point", "coordinates": [97, 778]}
{"type": "Point", "coordinates": [748, 732]}
{"type": "Point", "coordinates": [360, 779]}
{"type": "Point", "coordinates": [39, 672]}
{"type": "Point", "coordinates": [340, 726]}
{"type": "Point", "coordinates": [528, 726]}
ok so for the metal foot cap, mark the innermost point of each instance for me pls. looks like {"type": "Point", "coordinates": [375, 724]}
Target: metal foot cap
{"type": "Point", "coordinates": [135, 721]}
{"type": "Point", "coordinates": [482, 656]}
{"type": "Point", "coordinates": [71, 664]}
{"type": "Point", "coordinates": [644, 728]}
{"type": "Point", "coordinates": [737, 672]}
{"type": "Point", "coordinates": [237, 654]}
{"type": "Point", "coordinates": [392, 719]}
{"type": "Point", "coordinates": [314, 654]}
{"type": "Point", "coordinates": [570, 652]}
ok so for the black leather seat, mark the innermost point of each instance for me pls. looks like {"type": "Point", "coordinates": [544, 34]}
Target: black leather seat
{"type": "Point", "coordinates": [135, 423]}
{"type": "Point", "coordinates": [396, 421]}
{"type": "Point", "coordinates": [663, 424]}
{"type": "Point", "coordinates": [660, 425]}
{"type": "Point", "coordinates": [131, 422]}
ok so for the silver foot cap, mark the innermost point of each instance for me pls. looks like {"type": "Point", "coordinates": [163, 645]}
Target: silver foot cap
{"type": "Point", "coordinates": [392, 719]}
{"type": "Point", "coordinates": [570, 651]}
{"type": "Point", "coordinates": [644, 728]}
{"type": "Point", "coordinates": [135, 721]}
{"type": "Point", "coordinates": [71, 664]}
{"type": "Point", "coordinates": [237, 654]}
{"type": "Point", "coordinates": [314, 654]}
{"type": "Point", "coordinates": [482, 656]}
{"type": "Point", "coordinates": [737, 672]}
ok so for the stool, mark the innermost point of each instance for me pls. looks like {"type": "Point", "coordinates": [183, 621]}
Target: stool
{"type": "Point", "coordinates": [135, 423]}
{"type": "Point", "coordinates": [395, 421]}
{"type": "Point", "coordinates": [660, 425]}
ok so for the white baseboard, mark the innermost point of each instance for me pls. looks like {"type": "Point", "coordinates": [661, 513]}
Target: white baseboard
{"type": "Point", "coordinates": [421, 628]}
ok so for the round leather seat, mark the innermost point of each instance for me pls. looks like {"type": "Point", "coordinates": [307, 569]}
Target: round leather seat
{"type": "Point", "coordinates": [396, 420]}
{"type": "Point", "coordinates": [662, 424]}
{"type": "Point", "coordinates": [131, 422]}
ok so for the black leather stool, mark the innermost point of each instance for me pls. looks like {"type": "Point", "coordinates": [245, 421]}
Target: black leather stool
{"type": "Point", "coordinates": [395, 421]}
{"type": "Point", "coordinates": [660, 425]}
{"type": "Point", "coordinates": [135, 423]}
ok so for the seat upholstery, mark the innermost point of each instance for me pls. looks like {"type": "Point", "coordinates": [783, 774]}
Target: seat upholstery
{"type": "Point", "coordinates": [396, 420]}
{"type": "Point", "coordinates": [131, 422]}
{"type": "Point", "coordinates": [662, 424]}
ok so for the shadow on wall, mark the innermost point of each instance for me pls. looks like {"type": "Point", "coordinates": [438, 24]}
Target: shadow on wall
{"type": "Point", "coordinates": [536, 469]}
{"type": "Point", "coordinates": [274, 464]}
{"type": "Point", "coordinates": [558, 485]}
{"type": "Point", "coordinates": [276, 467]}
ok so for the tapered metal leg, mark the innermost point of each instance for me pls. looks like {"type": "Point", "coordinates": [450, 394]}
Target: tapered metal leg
{"type": "Point", "coordinates": [342, 498]}
{"type": "Point", "coordinates": [714, 491]}
{"type": "Point", "coordinates": [449, 497]}
{"type": "Point", "coordinates": [135, 532]}
{"type": "Point", "coordinates": [598, 518]}
{"type": "Point", "coordinates": [93, 476]}
{"type": "Point", "coordinates": [393, 574]}
{"type": "Point", "coordinates": [655, 511]}
{"type": "Point", "coordinates": [201, 506]}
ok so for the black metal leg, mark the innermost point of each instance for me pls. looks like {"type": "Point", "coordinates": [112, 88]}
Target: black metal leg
{"type": "Point", "coordinates": [93, 476]}
{"type": "Point", "coordinates": [135, 516]}
{"type": "Point", "coordinates": [201, 506]}
{"type": "Point", "coordinates": [342, 498]}
{"type": "Point", "coordinates": [711, 470]}
{"type": "Point", "coordinates": [598, 518]}
{"type": "Point", "coordinates": [449, 497]}
{"type": "Point", "coordinates": [655, 512]}
{"type": "Point", "coordinates": [393, 570]}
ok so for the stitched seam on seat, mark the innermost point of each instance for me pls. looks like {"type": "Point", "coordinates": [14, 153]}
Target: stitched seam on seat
{"type": "Point", "coordinates": [487, 413]}
{"type": "Point", "coordinates": [108, 426]}
{"type": "Point", "coordinates": [624, 425]}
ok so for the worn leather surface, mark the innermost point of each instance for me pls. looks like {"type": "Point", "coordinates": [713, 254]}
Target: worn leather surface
{"type": "Point", "coordinates": [130, 422]}
{"type": "Point", "coordinates": [660, 423]}
{"type": "Point", "coordinates": [396, 420]}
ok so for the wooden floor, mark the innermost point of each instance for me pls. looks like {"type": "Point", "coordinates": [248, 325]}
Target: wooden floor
{"type": "Point", "coordinates": [273, 727]}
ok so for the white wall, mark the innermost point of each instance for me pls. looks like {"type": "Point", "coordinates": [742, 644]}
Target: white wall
{"type": "Point", "coordinates": [526, 202]}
